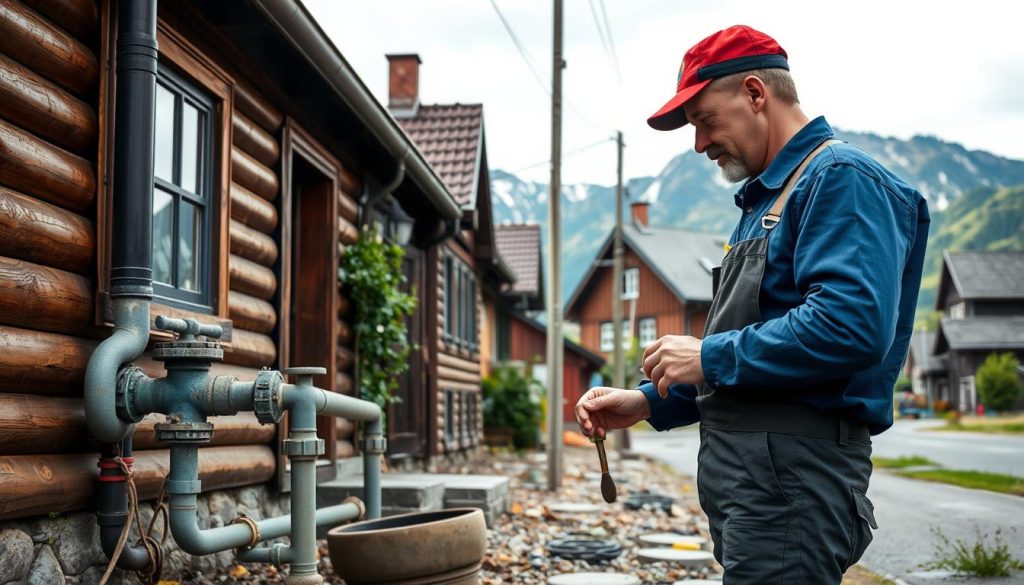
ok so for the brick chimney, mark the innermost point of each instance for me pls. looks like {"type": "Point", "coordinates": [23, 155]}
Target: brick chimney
{"type": "Point", "coordinates": [639, 210]}
{"type": "Point", "coordinates": [403, 81]}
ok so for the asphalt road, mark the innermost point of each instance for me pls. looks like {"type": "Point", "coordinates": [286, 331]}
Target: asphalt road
{"type": "Point", "coordinates": [908, 510]}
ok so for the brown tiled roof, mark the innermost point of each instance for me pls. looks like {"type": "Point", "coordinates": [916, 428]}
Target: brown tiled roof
{"type": "Point", "coordinates": [449, 137]}
{"type": "Point", "coordinates": [519, 245]}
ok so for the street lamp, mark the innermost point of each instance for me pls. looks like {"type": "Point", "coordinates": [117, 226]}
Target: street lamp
{"type": "Point", "coordinates": [401, 224]}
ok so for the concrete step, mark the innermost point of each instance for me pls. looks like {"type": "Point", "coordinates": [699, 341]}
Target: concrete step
{"type": "Point", "coordinates": [490, 493]}
{"type": "Point", "coordinates": [398, 495]}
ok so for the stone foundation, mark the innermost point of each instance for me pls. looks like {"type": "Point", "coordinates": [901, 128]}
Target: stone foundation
{"type": "Point", "coordinates": [65, 548]}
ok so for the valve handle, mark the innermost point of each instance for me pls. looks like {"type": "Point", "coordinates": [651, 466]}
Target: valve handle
{"type": "Point", "coordinates": [188, 329]}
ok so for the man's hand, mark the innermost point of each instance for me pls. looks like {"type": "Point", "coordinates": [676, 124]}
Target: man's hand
{"type": "Point", "coordinates": [673, 359]}
{"type": "Point", "coordinates": [603, 408]}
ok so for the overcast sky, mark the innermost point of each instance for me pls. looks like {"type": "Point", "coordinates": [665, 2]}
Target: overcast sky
{"type": "Point", "coordinates": [954, 70]}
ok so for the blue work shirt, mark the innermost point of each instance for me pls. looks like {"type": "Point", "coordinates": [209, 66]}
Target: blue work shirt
{"type": "Point", "coordinates": [839, 290]}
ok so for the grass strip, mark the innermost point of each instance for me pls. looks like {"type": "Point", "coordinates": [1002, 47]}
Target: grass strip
{"type": "Point", "coordinates": [980, 480]}
{"type": "Point", "coordinates": [995, 428]}
{"type": "Point", "coordinates": [902, 462]}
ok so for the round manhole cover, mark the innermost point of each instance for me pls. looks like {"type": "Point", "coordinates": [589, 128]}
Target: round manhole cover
{"type": "Point", "coordinates": [584, 549]}
{"type": "Point", "coordinates": [683, 557]}
{"type": "Point", "coordinates": [594, 579]}
{"type": "Point", "coordinates": [672, 538]}
{"type": "Point", "coordinates": [648, 501]}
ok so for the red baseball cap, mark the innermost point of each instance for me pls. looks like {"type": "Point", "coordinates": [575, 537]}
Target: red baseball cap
{"type": "Point", "coordinates": [732, 50]}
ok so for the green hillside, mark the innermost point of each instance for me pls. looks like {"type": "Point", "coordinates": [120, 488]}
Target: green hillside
{"type": "Point", "coordinates": [981, 219]}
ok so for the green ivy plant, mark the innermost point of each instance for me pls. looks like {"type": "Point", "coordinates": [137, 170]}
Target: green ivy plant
{"type": "Point", "coordinates": [371, 271]}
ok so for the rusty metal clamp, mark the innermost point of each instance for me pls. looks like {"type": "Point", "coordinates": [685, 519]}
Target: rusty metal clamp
{"type": "Point", "coordinates": [253, 529]}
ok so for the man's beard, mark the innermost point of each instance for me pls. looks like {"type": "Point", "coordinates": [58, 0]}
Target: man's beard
{"type": "Point", "coordinates": [733, 170]}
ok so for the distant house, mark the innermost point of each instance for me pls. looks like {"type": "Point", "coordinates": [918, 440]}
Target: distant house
{"type": "Point", "coordinates": [981, 296]}
{"type": "Point", "coordinates": [521, 338]}
{"type": "Point", "coordinates": [926, 371]}
{"type": "Point", "coordinates": [440, 411]}
{"type": "Point", "coordinates": [666, 285]}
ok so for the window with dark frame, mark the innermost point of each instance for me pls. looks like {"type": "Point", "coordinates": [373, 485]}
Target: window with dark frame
{"type": "Point", "coordinates": [460, 290]}
{"type": "Point", "coordinates": [182, 191]}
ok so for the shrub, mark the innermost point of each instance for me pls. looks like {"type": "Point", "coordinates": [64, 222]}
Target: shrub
{"type": "Point", "coordinates": [998, 382]}
{"type": "Point", "coordinates": [512, 400]}
{"type": "Point", "coordinates": [981, 558]}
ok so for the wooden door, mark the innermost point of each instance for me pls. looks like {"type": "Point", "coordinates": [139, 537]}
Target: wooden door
{"type": "Point", "coordinates": [407, 428]}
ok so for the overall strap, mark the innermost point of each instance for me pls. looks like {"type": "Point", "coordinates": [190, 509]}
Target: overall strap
{"type": "Point", "coordinates": [774, 215]}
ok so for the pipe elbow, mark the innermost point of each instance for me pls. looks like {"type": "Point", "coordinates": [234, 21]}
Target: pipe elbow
{"type": "Point", "coordinates": [126, 344]}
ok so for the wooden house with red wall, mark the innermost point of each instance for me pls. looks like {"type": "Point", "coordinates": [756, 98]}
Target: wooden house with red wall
{"type": "Point", "coordinates": [456, 275]}
{"type": "Point", "coordinates": [666, 285]}
{"type": "Point", "coordinates": [269, 152]}
{"type": "Point", "coordinates": [519, 337]}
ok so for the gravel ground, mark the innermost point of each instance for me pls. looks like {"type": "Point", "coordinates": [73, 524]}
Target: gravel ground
{"type": "Point", "coordinates": [517, 544]}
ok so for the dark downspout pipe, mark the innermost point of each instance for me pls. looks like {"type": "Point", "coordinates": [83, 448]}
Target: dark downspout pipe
{"type": "Point", "coordinates": [131, 284]}
{"type": "Point", "coordinates": [371, 197]}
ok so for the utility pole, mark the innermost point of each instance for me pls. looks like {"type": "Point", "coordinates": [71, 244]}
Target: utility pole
{"type": "Point", "coordinates": [555, 341]}
{"type": "Point", "coordinates": [619, 378]}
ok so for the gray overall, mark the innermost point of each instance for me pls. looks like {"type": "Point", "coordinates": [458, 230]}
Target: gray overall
{"type": "Point", "coordinates": [782, 483]}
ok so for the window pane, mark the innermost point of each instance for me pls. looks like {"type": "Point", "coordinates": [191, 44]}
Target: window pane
{"type": "Point", "coordinates": [163, 236]}
{"type": "Point", "coordinates": [607, 337]}
{"type": "Point", "coordinates": [163, 164]}
{"type": "Point", "coordinates": [188, 247]}
{"type": "Point", "coordinates": [190, 148]}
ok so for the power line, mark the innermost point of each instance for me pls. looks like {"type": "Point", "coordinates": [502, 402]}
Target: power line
{"type": "Point", "coordinates": [564, 155]}
{"type": "Point", "coordinates": [600, 30]}
{"type": "Point", "coordinates": [521, 49]}
{"type": "Point", "coordinates": [611, 42]}
{"type": "Point", "coordinates": [536, 75]}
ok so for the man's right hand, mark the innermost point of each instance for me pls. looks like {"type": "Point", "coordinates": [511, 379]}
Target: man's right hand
{"type": "Point", "coordinates": [604, 408]}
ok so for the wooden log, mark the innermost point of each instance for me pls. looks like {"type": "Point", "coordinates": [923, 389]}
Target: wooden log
{"type": "Point", "coordinates": [38, 44]}
{"type": "Point", "coordinates": [343, 305]}
{"type": "Point", "coordinates": [254, 140]}
{"type": "Point", "coordinates": [344, 427]}
{"type": "Point", "coordinates": [445, 373]}
{"type": "Point", "coordinates": [343, 384]}
{"type": "Point", "coordinates": [37, 425]}
{"type": "Point", "coordinates": [252, 210]}
{"type": "Point", "coordinates": [457, 385]}
{"type": "Point", "coordinates": [251, 278]}
{"type": "Point", "coordinates": [347, 232]}
{"type": "Point", "coordinates": [36, 231]}
{"type": "Point", "coordinates": [46, 299]}
{"type": "Point", "coordinates": [78, 17]}
{"type": "Point", "coordinates": [251, 349]}
{"type": "Point", "coordinates": [346, 359]}
{"type": "Point", "coordinates": [250, 313]}
{"type": "Point", "coordinates": [345, 334]}
{"type": "Point", "coordinates": [253, 245]}
{"type": "Point", "coordinates": [40, 484]}
{"type": "Point", "coordinates": [33, 362]}
{"type": "Point", "coordinates": [347, 206]}
{"type": "Point", "coordinates": [47, 110]}
{"type": "Point", "coordinates": [257, 108]}
{"type": "Point", "coordinates": [33, 166]}
{"type": "Point", "coordinates": [345, 449]}
{"type": "Point", "coordinates": [253, 175]}
{"type": "Point", "coordinates": [458, 363]}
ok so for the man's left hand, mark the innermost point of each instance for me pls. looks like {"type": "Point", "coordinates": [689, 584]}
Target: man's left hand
{"type": "Point", "coordinates": [673, 359]}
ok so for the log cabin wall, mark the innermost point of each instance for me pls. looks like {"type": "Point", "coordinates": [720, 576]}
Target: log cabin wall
{"type": "Point", "coordinates": [459, 419]}
{"type": "Point", "coordinates": [348, 196]}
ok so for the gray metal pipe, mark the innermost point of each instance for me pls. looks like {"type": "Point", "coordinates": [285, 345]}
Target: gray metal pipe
{"type": "Point", "coordinates": [295, 24]}
{"type": "Point", "coordinates": [332, 403]}
{"type": "Point", "coordinates": [374, 446]}
{"type": "Point", "coordinates": [131, 334]}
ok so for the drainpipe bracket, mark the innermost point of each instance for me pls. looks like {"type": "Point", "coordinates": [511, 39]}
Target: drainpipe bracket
{"type": "Point", "coordinates": [374, 444]}
{"type": "Point", "coordinates": [305, 448]}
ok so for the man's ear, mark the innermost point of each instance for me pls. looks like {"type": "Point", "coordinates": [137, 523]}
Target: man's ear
{"type": "Point", "coordinates": [756, 92]}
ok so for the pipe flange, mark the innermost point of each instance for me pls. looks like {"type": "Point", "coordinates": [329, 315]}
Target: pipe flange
{"type": "Point", "coordinates": [170, 351]}
{"type": "Point", "coordinates": [266, 396]}
{"type": "Point", "coordinates": [303, 447]}
{"type": "Point", "coordinates": [254, 530]}
{"type": "Point", "coordinates": [375, 444]}
{"type": "Point", "coordinates": [187, 433]}
{"type": "Point", "coordinates": [127, 380]}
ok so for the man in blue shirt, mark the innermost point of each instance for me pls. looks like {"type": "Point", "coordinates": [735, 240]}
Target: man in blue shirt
{"type": "Point", "coordinates": [810, 323]}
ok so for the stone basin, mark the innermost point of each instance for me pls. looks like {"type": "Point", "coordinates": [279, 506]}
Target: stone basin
{"type": "Point", "coordinates": [443, 547]}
